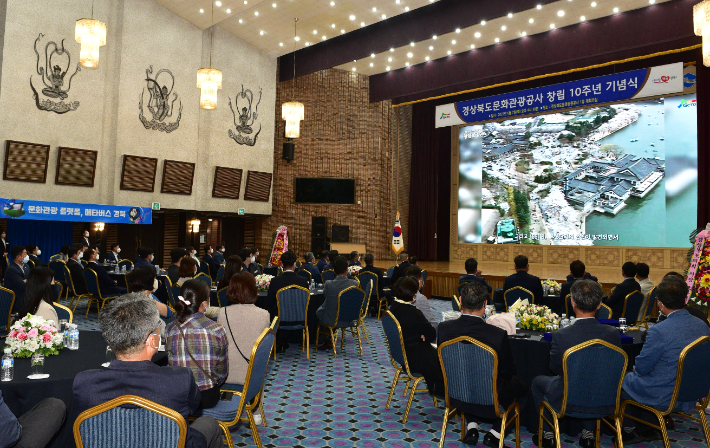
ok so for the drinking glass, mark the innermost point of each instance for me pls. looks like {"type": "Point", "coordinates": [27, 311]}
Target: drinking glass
{"type": "Point", "coordinates": [62, 325]}
{"type": "Point", "coordinates": [37, 364]}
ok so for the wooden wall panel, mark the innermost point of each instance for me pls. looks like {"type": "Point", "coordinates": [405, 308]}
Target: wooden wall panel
{"type": "Point", "coordinates": [170, 236]}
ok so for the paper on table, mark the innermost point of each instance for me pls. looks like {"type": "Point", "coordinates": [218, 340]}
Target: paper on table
{"type": "Point", "coordinates": [38, 376]}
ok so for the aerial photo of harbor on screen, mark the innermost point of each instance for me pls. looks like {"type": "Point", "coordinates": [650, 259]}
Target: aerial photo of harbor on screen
{"type": "Point", "coordinates": [621, 174]}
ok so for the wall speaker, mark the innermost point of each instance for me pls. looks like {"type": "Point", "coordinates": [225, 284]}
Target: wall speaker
{"type": "Point", "coordinates": [318, 227]}
{"type": "Point", "coordinates": [340, 234]}
{"type": "Point", "coordinates": [289, 148]}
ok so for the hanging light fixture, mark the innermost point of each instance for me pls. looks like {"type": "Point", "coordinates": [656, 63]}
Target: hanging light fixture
{"type": "Point", "coordinates": [91, 34]}
{"type": "Point", "coordinates": [701, 24]}
{"type": "Point", "coordinates": [293, 111]}
{"type": "Point", "coordinates": [209, 80]}
{"type": "Point", "coordinates": [195, 223]}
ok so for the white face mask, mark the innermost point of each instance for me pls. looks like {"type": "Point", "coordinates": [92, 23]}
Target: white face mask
{"type": "Point", "coordinates": [118, 251]}
{"type": "Point", "coordinates": [155, 284]}
{"type": "Point", "coordinates": [26, 259]}
{"type": "Point", "coordinates": [86, 235]}
{"type": "Point", "coordinates": [211, 250]}
{"type": "Point", "coordinates": [39, 252]}
{"type": "Point", "coordinates": [253, 259]}
{"type": "Point", "coordinates": [81, 255]}
{"type": "Point", "coordinates": [152, 257]}
{"type": "Point", "coordinates": [223, 249]}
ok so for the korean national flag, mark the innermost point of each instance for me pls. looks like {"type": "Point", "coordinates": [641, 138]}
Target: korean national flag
{"type": "Point", "coordinates": [397, 239]}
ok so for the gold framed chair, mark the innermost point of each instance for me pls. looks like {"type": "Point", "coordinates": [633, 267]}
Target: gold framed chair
{"type": "Point", "coordinates": [456, 303]}
{"type": "Point", "coordinates": [398, 358]}
{"type": "Point", "coordinates": [517, 292]}
{"type": "Point", "coordinates": [346, 316]}
{"type": "Point", "coordinates": [204, 277]}
{"type": "Point", "coordinates": [75, 296]}
{"type": "Point", "coordinates": [632, 304]}
{"type": "Point", "coordinates": [7, 302]}
{"type": "Point", "coordinates": [604, 312]}
{"type": "Point", "coordinates": [692, 383]}
{"type": "Point", "coordinates": [63, 310]}
{"type": "Point", "coordinates": [568, 304]}
{"type": "Point", "coordinates": [305, 273]}
{"type": "Point", "coordinates": [647, 310]}
{"type": "Point", "coordinates": [465, 354]}
{"type": "Point", "coordinates": [366, 307]}
{"type": "Point", "coordinates": [92, 283]}
{"type": "Point", "coordinates": [99, 424]}
{"type": "Point", "coordinates": [292, 304]}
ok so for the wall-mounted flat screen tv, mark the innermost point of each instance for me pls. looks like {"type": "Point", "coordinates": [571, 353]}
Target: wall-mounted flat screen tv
{"type": "Point", "coordinates": [315, 190]}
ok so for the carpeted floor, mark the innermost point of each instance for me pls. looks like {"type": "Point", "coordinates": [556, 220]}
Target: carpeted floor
{"type": "Point", "coordinates": [340, 402]}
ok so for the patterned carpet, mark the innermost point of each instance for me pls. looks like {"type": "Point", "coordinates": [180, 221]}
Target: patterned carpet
{"type": "Point", "coordinates": [340, 402]}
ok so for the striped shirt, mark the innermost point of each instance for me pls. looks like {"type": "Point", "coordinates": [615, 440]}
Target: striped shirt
{"type": "Point", "coordinates": [207, 342]}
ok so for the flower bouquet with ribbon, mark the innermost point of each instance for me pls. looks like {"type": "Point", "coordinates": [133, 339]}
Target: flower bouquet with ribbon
{"type": "Point", "coordinates": [263, 281]}
{"type": "Point", "coordinates": [698, 278]}
{"type": "Point", "coordinates": [354, 270]}
{"type": "Point", "coordinates": [280, 246]}
{"type": "Point", "coordinates": [33, 334]}
{"type": "Point", "coordinates": [551, 287]}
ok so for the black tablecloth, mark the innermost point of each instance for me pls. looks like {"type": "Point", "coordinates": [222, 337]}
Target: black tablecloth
{"type": "Point", "coordinates": [532, 358]}
{"type": "Point", "coordinates": [21, 394]}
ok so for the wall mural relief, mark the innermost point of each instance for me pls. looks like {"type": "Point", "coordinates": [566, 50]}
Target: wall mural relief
{"type": "Point", "coordinates": [245, 116]}
{"type": "Point", "coordinates": [53, 71]}
{"type": "Point", "coordinates": [160, 105]}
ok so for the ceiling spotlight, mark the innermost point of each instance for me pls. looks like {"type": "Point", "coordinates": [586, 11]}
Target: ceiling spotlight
{"type": "Point", "coordinates": [552, 26]}
{"type": "Point", "coordinates": [281, 44]}
{"type": "Point", "coordinates": [531, 21]}
{"type": "Point", "coordinates": [218, 3]}
{"type": "Point", "coordinates": [453, 42]}
{"type": "Point", "coordinates": [261, 32]}
{"type": "Point", "coordinates": [406, 9]}
{"type": "Point", "coordinates": [389, 59]}
{"type": "Point", "coordinates": [407, 64]}
{"type": "Point", "coordinates": [411, 44]}
{"type": "Point", "coordinates": [383, 16]}
{"type": "Point", "coordinates": [315, 31]}
{"type": "Point", "coordinates": [297, 38]}
{"type": "Point", "coordinates": [246, 2]}
{"type": "Point", "coordinates": [483, 22]}
{"type": "Point", "coordinates": [353, 68]}
{"type": "Point", "coordinates": [560, 13]}
{"type": "Point", "coordinates": [434, 37]}
{"type": "Point", "coordinates": [472, 46]}
{"type": "Point", "coordinates": [510, 15]}
{"type": "Point", "coordinates": [503, 28]}
{"type": "Point", "coordinates": [388, 69]}
{"type": "Point", "coordinates": [342, 31]}
{"type": "Point", "coordinates": [497, 40]}
{"type": "Point", "coordinates": [352, 17]}
{"type": "Point", "coordinates": [362, 23]}
{"type": "Point", "coordinates": [458, 30]}
{"type": "Point", "coordinates": [616, 10]}
{"type": "Point", "coordinates": [332, 3]}
{"type": "Point", "coordinates": [409, 55]}
{"type": "Point", "coordinates": [372, 55]}
{"type": "Point", "coordinates": [374, 9]}
{"type": "Point", "coordinates": [539, 6]}
{"type": "Point", "coordinates": [397, 2]}
{"type": "Point", "coordinates": [322, 37]}
{"type": "Point", "coordinates": [477, 34]}
{"type": "Point", "coordinates": [256, 13]}
{"type": "Point", "coordinates": [391, 50]}
{"type": "Point", "coordinates": [241, 21]}
{"type": "Point", "coordinates": [332, 25]}
{"type": "Point", "coordinates": [594, 4]}
{"type": "Point", "coordinates": [431, 47]}
{"type": "Point", "coordinates": [202, 11]}
{"type": "Point", "coordinates": [229, 11]}
{"type": "Point", "coordinates": [308, 44]}
{"type": "Point", "coordinates": [371, 64]}
{"type": "Point", "coordinates": [651, 2]}
{"type": "Point", "coordinates": [274, 5]}
{"type": "Point", "coordinates": [582, 19]}
{"type": "Point", "coordinates": [523, 34]}
{"type": "Point", "coordinates": [448, 52]}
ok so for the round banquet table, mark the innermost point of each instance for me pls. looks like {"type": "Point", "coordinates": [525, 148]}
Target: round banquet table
{"type": "Point", "coordinates": [532, 358]}
{"type": "Point", "coordinates": [21, 394]}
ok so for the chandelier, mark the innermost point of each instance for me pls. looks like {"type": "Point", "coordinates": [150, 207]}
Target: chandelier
{"type": "Point", "coordinates": [209, 80]}
{"type": "Point", "coordinates": [701, 24]}
{"type": "Point", "coordinates": [91, 34]}
{"type": "Point", "coordinates": [293, 111]}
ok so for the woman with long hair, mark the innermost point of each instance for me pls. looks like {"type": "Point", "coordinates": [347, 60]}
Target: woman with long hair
{"type": "Point", "coordinates": [232, 265]}
{"type": "Point", "coordinates": [39, 295]}
{"type": "Point", "coordinates": [198, 342]}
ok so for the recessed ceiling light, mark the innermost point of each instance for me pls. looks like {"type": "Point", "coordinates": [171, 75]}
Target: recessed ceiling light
{"type": "Point", "coordinates": [274, 5]}
{"type": "Point", "coordinates": [531, 20]}
{"type": "Point", "coordinates": [261, 32]}
{"type": "Point", "coordinates": [477, 34]}
{"type": "Point", "coordinates": [383, 16]}
{"type": "Point", "coordinates": [497, 40]}
{"type": "Point", "coordinates": [374, 9]}
{"type": "Point", "coordinates": [362, 23]}
{"type": "Point", "coordinates": [616, 9]}
{"type": "Point", "coordinates": [308, 44]}
{"type": "Point", "coordinates": [388, 69]}
{"type": "Point", "coordinates": [332, 25]}
{"type": "Point", "coordinates": [406, 9]}
{"type": "Point", "coordinates": [434, 37]}
{"type": "Point", "coordinates": [472, 46]}
{"type": "Point", "coordinates": [241, 21]}
{"type": "Point", "coordinates": [202, 11]}
{"type": "Point", "coordinates": [652, 1]}
{"type": "Point", "coordinates": [397, 2]}
{"type": "Point", "coordinates": [523, 34]}
{"type": "Point", "coordinates": [342, 31]}
{"type": "Point", "coordinates": [431, 47]}
{"type": "Point", "coordinates": [246, 2]}
{"type": "Point", "coordinates": [483, 22]}
{"type": "Point", "coordinates": [332, 3]}
{"type": "Point", "coordinates": [510, 15]}
{"type": "Point", "coordinates": [448, 52]}
{"type": "Point", "coordinates": [281, 44]}
{"type": "Point", "coordinates": [411, 44]}
{"type": "Point", "coordinates": [352, 17]}
{"type": "Point", "coordinates": [229, 11]}
{"type": "Point", "coordinates": [353, 68]}
{"type": "Point", "coordinates": [322, 37]}
{"type": "Point", "coordinates": [458, 30]}
{"type": "Point", "coordinates": [315, 31]}
{"type": "Point", "coordinates": [594, 4]}
{"type": "Point", "coordinates": [453, 42]}
{"type": "Point", "coordinates": [298, 38]}
{"type": "Point", "coordinates": [409, 55]}
{"type": "Point", "coordinates": [391, 50]}
{"type": "Point", "coordinates": [560, 13]}
{"type": "Point", "coordinates": [371, 64]}
{"type": "Point", "coordinates": [372, 55]}
{"type": "Point", "coordinates": [218, 3]}
{"type": "Point", "coordinates": [539, 6]}
{"type": "Point", "coordinates": [503, 28]}
{"type": "Point", "coordinates": [582, 19]}
{"type": "Point", "coordinates": [256, 13]}
{"type": "Point", "coordinates": [407, 64]}
{"type": "Point", "coordinates": [552, 25]}
{"type": "Point", "coordinates": [389, 59]}
{"type": "Point", "coordinates": [426, 58]}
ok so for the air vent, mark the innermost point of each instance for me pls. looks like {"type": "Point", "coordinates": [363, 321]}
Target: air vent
{"type": "Point", "coordinates": [227, 182]}
{"type": "Point", "coordinates": [76, 167]}
{"type": "Point", "coordinates": [177, 177]}
{"type": "Point", "coordinates": [258, 186]}
{"type": "Point", "coordinates": [138, 173]}
{"type": "Point", "coordinates": [26, 162]}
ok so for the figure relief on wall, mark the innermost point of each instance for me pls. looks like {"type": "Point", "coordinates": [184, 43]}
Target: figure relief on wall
{"type": "Point", "coordinates": [53, 72]}
{"type": "Point", "coordinates": [160, 104]}
{"type": "Point", "coordinates": [244, 118]}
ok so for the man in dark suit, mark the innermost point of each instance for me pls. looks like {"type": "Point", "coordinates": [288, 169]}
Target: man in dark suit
{"type": "Point", "coordinates": [370, 267]}
{"type": "Point", "coordinates": [133, 373]}
{"type": "Point", "coordinates": [219, 254]}
{"type": "Point", "coordinates": [85, 239]}
{"type": "Point", "coordinates": [586, 300]}
{"type": "Point", "coordinates": [107, 285]}
{"type": "Point", "coordinates": [288, 278]}
{"type": "Point", "coordinates": [629, 285]}
{"type": "Point", "coordinates": [473, 274]}
{"type": "Point", "coordinates": [577, 272]}
{"type": "Point", "coordinates": [327, 311]}
{"type": "Point", "coordinates": [76, 269]}
{"type": "Point", "coordinates": [211, 262]}
{"type": "Point", "coordinates": [400, 269]}
{"type": "Point", "coordinates": [311, 268]}
{"type": "Point", "coordinates": [523, 279]}
{"type": "Point", "coordinates": [145, 257]}
{"type": "Point", "coordinates": [16, 275]}
{"type": "Point", "coordinates": [176, 255]}
{"type": "Point", "coordinates": [474, 297]}
{"type": "Point", "coordinates": [34, 253]}
{"type": "Point", "coordinates": [247, 257]}
{"type": "Point", "coordinates": [354, 259]}
{"type": "Point", "coordinates": [323, 261]}
{"type": "Point", "coordinates": [113, 256]}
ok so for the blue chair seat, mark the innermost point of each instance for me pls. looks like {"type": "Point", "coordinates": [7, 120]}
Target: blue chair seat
{"type": "Point", "coordinates": [224, 411]}
{"type": "Point", "coordinates": [292, 327]}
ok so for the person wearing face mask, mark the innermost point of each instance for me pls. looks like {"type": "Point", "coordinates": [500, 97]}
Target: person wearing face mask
{"type": "Point", "coordinates": [85, 239]}
{"type": "Point", "coordinates": [113, 256]}
{"type": "Point", "coordinates": [107, 286]}
{"type": "Point", "coordinates": [186, 271]}
{"type": "Point", "coordinates": [219, 254]}
{"type": "Point", "coordinates": [34, 253]}
{"type": "Point", "coordinates": [209, 259]}
{"type": "Point", "coordinates": [247, 257]}
{"type": "Point", "coordinates": [255, 259]}
{"type": "Point", "coordinates": [142, 280]}
{"type": "Point", "coordinates": [76, 269]}
{"type": "Point", "coordinates": [145, 257]}
{"type": "Point", "coordinates": [16, 275]}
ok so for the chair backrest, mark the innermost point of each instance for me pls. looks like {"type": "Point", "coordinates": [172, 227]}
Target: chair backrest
{"type": "Point", "coordinates": [470, 371]}
{"type": "Point", "coordinates": [604, 312]}
{"type": "Point", "coordinates": [589, 383]}
{"type": "Point", "coordinates": [632, 306]}
{"type": "Point", "coordinates": [305, 274]}
{"type": "Point", "coordinates": [692, 381]}
{"type": "Point", "coordinates": [390, 271]}
{"type": "Point", "coordinates": [169, 289]}
{"type": "Point", "coordinates": [31, 264]}
{"type": "Point", "coordinates": [366, 279]}
{"type": "Point", "coordinates": [57, 292]}
{"type": "Point", "coordinates": [395, 341]}
{"type": "Point", "coordinates": [92, 283]}
{"type": "Point", "coordinates": [63, 312]}
{"type": "Point", "coordinates": [70, 281]}
{"type": "Point", "coordinates": [222, 297]}
{"type": "Point", "coordinates": [127, 263]}
{"type": "Point", "coordinates": [204, 268]}
{"type": "Point", "coordinates": [176, 293]}
{"type": "Point", "coordinates": [57, 266]}
{"type": "Point", "coordinates": [148, 424]}
{"type": "Point", "coordinates": [460, 288]}
{"type": "Point", "coordinates": [328, 275]}
{"type": "Point", "coordinates": [517, 292]}
{"type": "Point", "coordinates": [568, 304]}
{"type": "Point", "coordinates": [205, 278]}
{"type": "Point", "coordinates": [350, 302]}
{"type": "Point", "coordinates": [256, 372]}
{"type": "Point", "coordinates": [7, 301]}
{"type": "Point", "coordinates": [54, 257]}
{"type": "Point", "coordinates": [456, 304]}
{"type": "Point", "coordinates": [292, 302]}
{"type": "Point", "coordinates": [84, 263]}
{"type": "Point", "coordinates": [220, 274]}
{"type": "Point", "coordinates": [649, 304]}
{"type": "Point", "coordinates": [424, 277]}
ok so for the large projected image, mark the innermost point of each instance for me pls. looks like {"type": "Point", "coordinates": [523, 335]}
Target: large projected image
{"type": "Point", "coordinates": [622, 174]}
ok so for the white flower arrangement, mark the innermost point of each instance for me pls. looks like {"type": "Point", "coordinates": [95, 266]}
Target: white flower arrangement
{"type": "Point", "coordinates": [532, 317]}
{"type": "Point", "coordinates": [263, 281]}
{"type": "Point", "coordinates": [33, 334]}
{"type": "Point", "coordinates": [354, 269]}
{"type": "Point", "coordinates": [551, 286]}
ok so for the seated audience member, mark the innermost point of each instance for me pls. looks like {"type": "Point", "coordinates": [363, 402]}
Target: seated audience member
{"type": "Point", "coordinates": [523, 279]}
{"type": "Point", "coordinates": [586, 300]}
{"type": "Point", "coordinates": [107, 285]}
{"type": "Point", "coordinates": [257, 270]}
{"type": "Point", "coordinates": [474, 298]}
{"type": "Point", "coordinates": [642, 271]}
{"type": "Point", "coordinates": [233, 265]}
{"type": "Point", "coordinates": [473, 274]}
{"type": "Point", "coordinates": [247, 257]}
{"type": "Point", "coordinates": [653, 378]}
{"type": "Point", "coordinates": [145, 258]}
{"type": "Point", "coordinates": [354, 259]}
{"type": "Point", "coordinates": [208, 259]}
{"type": "Point", "coordinates": [310, 267]}
{"type": "Point", "coordinates": [399, 270]}
{"type": "Point", "coordinates": [133, 372]}
{"type": "Point", "coordinates": [16, 275]}
{"type": "Point", "coordinates": [113, 256]}
{"type": "Point", "coordinates": [288, 278]}
{"type": "Point", "coordinates": [587, 276]}
{"type": "Point", "coordinates": [39, 295]}
{"type": "Point", "coordinates": [176, 255]}
{"type": "Point", "coordinates": [420, 300]}
{"type": "Point", "coordinates": [34, 253]}
{"type": "Point", "coordinates": [76, 269]}
{"type": "Point", "coordinates": [577, 272]}
{"type": "Point", "coordinates": [418, 334]}
{"type": "Point", "coordinates": [324, 261]}
{"type": "Point", "coordinates": [616, 300]}
{"type": "Point", "coordinates": [219, 254]}
{"type": "Point", "coordinates": [142, 280]}
{"type": "Point", "coordinates": [688, 307]}
{"type": "Point", "coordinates": [370, 267]}
{"type": "Point", "coordinates": [33, 429]}
{"type": "Point", "coordinates": [192, 336]}
{"type": "Point", "coordinates": [64, 253]}
{"type": "Point", "coordinates": [192, 253]}
{"type": "Point", "coordinates": [413, 260]}
{"type": "Point", "coordinates": [327, 311]}
{"type": "Point", "coordinates": [187, 270]}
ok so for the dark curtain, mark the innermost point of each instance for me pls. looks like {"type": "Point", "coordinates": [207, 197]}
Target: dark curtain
{"type": "Point", "coordinates": [50, 236]}
{"type": "Point", "coordinates": [430, 186]}
{"type": "Point", "coordinates": [703, 85]}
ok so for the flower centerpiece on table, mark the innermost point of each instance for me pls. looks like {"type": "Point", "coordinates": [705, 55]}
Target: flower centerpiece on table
{"type": "Point", "coordinates": [354, 270]}
{"type": "Point", "coordinates": [263, 281]}
{"type": "Point", "coordinates": [551, 287]}
{"type": "Point", "coordinates": [33, 334]}
{"type": "Point", "coordinates": [533, 317]}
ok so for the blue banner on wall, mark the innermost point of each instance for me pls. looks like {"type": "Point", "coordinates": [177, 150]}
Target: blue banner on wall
{"type": "Point", "coordinates": [642, 83]}
{"type": "Point", "coordinates": [69, 211]}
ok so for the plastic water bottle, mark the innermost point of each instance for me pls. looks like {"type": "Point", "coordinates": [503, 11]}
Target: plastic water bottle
{"type": "Point", "coordinates": [564, 323]}
{"type": "Point", "coordinates": [73, 337]}
{"type": "Point", "coordinates": [8, 366]}
{"type": "Point", "coordinates": [313, 286]}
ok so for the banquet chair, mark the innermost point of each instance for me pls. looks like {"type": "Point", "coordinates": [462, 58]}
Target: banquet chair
{"type": "Point", "coordinates": [470, 371]}
{"type": "Point", "coordinates": [176, 293]}
{"type": "Point", "coordinates": [57, 266]}
{"type": "Point", "coordinates": [292, 303]}
{"type": "Point", "coordinates": [511, 295]}
{"type": "Point", "coordinates": [31, 264]}
{"type": "Point", "coordinates": [568, 304]}
{"type": "Point", "coordinates": [228, 413]}
{"type": "Point", "coordinates": [127, 263]}
{"type": "Point", "coordinates": [205, 278]}
{"type": "Point", "coordinates": [54, 257]}
{"type": "Point", "coordinates": [646, 313]}
{"type": "Point", "coordinates": [424, 277]}
{"type": "Point", "coordinates": [92, 283]}
{"type": "Point", "coordinates": [589, 386]}
{"type": "Point", "coordinates": [305, 274]}
{"type": "Point", "coordinates": [328, 275]}
{"type": "Point", "coordinates": [204, 268]}
{"type": "Point", "coordinates": [220, 274]}
{"type": "Point", "coordinates": [63, 312]}
{"type": "Point", "coordinates": [7, 301]}
{"type": "Point", "coordinates": [75, 297]}
{"type": "Point", "coordinates": [145, 424]}
{"type": "Point", "coordinates": [347, 316]}
{"type": "Point", "coordinates": [632, 307]}
{"type": "Point", "coordinates": [692, 384]}
{"type": "Point", "coordinates": [398, 358]}
{"type": "Point", "coordinates": [260, 269]}
{"type": "Point", "coordinates": [171, 296]}
{"type": "Point", "coordinates": [84, 263]}
{"type": "Point", "coordinates": [57, 290]}
{"type": "Point", "coordinates": [222, 297]}
{"type": "Point", "coordinates": [366, 304]}
{"type": "Point", "coordinates": [456, 303]}
{"type": "Point", "coordinates": [604, 312]}
{"type": "Point", "coordinates": [390, 270]}
{"type": "Point", "coordinates": [366, 277]}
